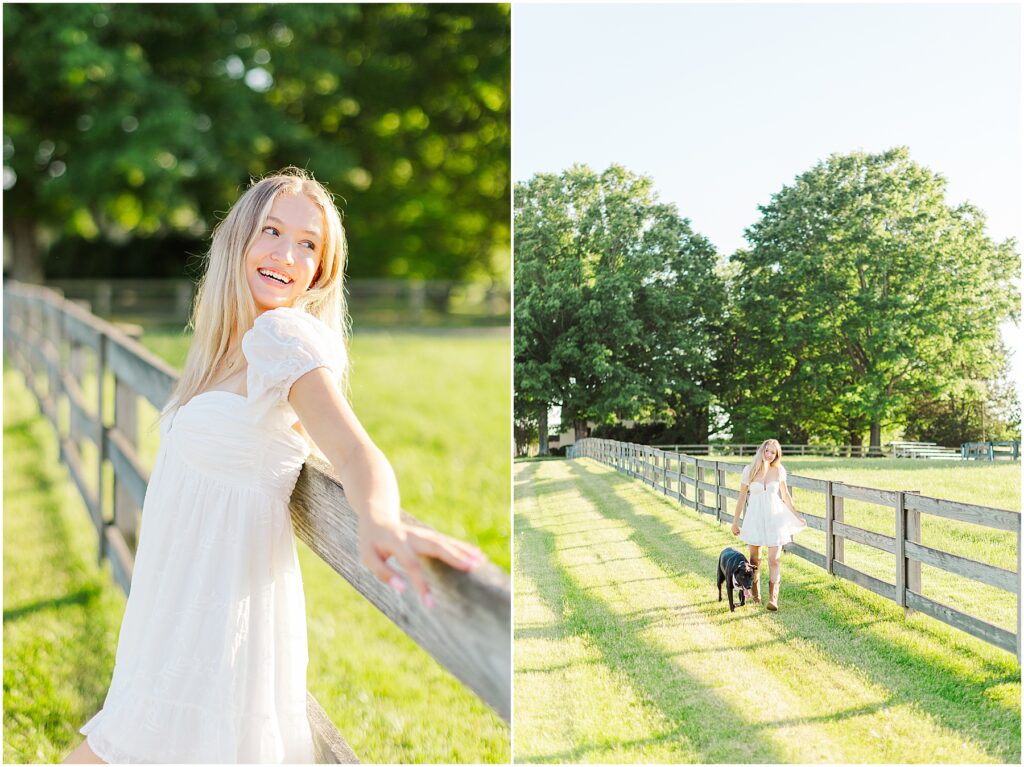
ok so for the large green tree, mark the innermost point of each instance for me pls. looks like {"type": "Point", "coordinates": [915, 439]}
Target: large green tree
{"type": "Point", "coordinates": [617, 300]}
{"type": "Point", "coordinates": [130, 126]}
{"type": "Point", "coordinates": [974, 411]}
{"type": "Point", "coordinates": [862, 290]}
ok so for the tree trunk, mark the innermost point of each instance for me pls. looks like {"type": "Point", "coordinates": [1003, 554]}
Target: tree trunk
{"type": "Point", "coordinates": [27, 263]}
{"type": "Point", "coordinates": [875, 448]}
{"type": "Point", "coordinates": [542, 430]}
{"type": "Point", "coordinates": [702, 424]}
{"type": "Point", "coordinates": [856, 441]}
{"type": "Point", "coordinates": [580, 428]}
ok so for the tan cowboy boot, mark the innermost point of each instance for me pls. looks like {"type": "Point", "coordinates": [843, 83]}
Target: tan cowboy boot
{"type": "Point", "coordinates": [773, 595]}
{"type": "Point", "coordinates": [755, 592]}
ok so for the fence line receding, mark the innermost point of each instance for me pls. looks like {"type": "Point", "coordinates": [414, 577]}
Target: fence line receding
{"type": "Point", "coordinates": [706, 492]}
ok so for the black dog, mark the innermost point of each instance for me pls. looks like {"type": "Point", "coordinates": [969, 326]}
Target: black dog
{"type": "Point", "coordinates": [734, 568]}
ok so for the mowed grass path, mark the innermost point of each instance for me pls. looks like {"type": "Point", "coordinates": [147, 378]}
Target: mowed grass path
{"type": "Point", "coordinates": [623, 652]}
{"type": "Point", "coordinates": [439, 408]}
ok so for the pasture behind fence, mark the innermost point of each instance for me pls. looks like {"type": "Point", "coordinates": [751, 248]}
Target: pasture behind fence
{"type": "Point", "coordinates": [62, 350]}
{"type": "Point", "coordinates": [706, 492]}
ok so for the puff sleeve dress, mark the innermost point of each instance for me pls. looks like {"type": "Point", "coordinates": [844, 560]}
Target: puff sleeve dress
{"type": "Point", "coordinates": [212, 654]}
{"type": "Point", "coordinates": [767, 521]}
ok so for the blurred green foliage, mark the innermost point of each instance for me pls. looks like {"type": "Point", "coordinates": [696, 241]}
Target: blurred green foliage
{"type": "Point", "coordinates": [130, 129]}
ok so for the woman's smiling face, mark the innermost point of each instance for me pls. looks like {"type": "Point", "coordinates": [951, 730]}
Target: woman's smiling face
{"type": "Point", "coordinates": [769, 453]}
{"type": "Point", "coordinates": [285, 258]}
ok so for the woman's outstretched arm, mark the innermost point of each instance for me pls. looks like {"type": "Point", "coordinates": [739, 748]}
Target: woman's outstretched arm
{"type": "Point", "coordinates": [371, 487]}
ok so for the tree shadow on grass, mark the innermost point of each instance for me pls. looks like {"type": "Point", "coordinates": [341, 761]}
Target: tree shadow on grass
{"type": "Point", "coordinates": [702, 721]}
{"type": "Point", "coordinates": [83, 596]}
{"type": "Point", "coordinates": [751, 731]}
{"type": "Point", "coordinates": [957, 701]}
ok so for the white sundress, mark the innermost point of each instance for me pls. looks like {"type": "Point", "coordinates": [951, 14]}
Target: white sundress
{"type": "Point", "coordinates": [767, 521]}
{"type": "Point", "coordinates": [212, 654]}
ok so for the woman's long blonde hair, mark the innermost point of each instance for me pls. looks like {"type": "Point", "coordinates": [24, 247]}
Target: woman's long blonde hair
{"type": "Point", "coordinates": [224, 307]}
{"type": "Point", "coordinates": [758, 462]}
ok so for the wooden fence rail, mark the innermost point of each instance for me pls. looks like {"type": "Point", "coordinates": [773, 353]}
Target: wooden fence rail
{"type": "Point", "coordinates": [741, 449]}
{"type": "Point", "coordinates": [45, 336]}
{"type": "Point", "coordinates": [700, 484]}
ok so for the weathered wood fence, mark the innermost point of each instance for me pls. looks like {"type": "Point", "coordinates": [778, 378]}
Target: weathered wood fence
{"type": "Point", "coordinates": [706, 492]}
{"type": "Point", "coordinates": [741, 449]}
{"type": "Point", "coordinates": [48, 339]}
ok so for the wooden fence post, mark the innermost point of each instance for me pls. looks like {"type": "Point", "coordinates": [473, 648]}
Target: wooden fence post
{"type": "Point", "coordinates": [830, 541]}
{"type": "Point", "coordinates": [723, 510]}
{"type": "Point", "coordinates": [839, 545]}
{"type": "Point", "coordinates": [680, 487]}
{"type": "Point", "coordinates": [700, 492]}
{"type": "Point", "coordinates": [101, 449]}
{"type": "Point", "coordinates": [76, 366]}
{"type": "Point", "coordinates": [901, 552]}
{"type": "Point", "coordinates": [126, 422]}
{"type": "Point", "coordinates": [911, 567]}
{"type": "Point", "coordinates": [55, 383]}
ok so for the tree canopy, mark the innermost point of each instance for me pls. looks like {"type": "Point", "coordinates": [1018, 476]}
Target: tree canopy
{"type": "Point", "coordinates": [140, 124]}
{"type": "Point", "coordinates": [617, 300]}
{"type": "Point", "coordinates": [864, 301]}
{"type": "Point", "coordinates": [862, 290]}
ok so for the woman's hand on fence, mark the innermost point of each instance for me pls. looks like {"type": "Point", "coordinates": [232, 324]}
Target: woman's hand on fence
{"type": "Point", "coordinates": [378, 542]}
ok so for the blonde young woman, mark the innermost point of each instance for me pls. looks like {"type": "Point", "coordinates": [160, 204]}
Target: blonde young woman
{"type": "Point", "coordinates": [770, 520]}
{"type": "Point", "coordinates": [211, 658]}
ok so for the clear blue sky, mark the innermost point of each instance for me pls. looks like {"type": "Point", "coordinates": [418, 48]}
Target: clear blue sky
{"type": "Point", "coordinates": [724, 104]}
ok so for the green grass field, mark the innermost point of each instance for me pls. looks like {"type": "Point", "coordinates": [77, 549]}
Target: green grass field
{"type": "Point", "coordinates": [623, 652]}
{"type": "Point", "coordinates": [439, 408]}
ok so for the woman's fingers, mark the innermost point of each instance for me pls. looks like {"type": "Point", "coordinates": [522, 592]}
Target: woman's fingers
{"type": "Point", "coordinates": [459, 555]}
{"type": "Point", "coordinates": [406, 557]}
{"type": "Point", "coordinates": [406, 544]}
{"type": "Point", "coordinates": [376, 565]}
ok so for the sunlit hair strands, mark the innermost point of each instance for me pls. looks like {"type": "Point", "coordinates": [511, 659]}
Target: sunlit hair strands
{"type": "Point", "coordinates": [758, 463]}
{"type": "Point", "coordinates": [224, 307]}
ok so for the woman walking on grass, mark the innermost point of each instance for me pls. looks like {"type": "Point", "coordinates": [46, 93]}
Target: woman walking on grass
{"type": "Point", "coordinates": [770, 520]}
{"type": "Point", "coordinates": [212, 654]}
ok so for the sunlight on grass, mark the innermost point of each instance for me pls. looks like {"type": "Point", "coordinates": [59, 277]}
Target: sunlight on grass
{"type": "Point", "coordinates": [837, 675]}
{"type": "Point", "coordinates": [61, 612]}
